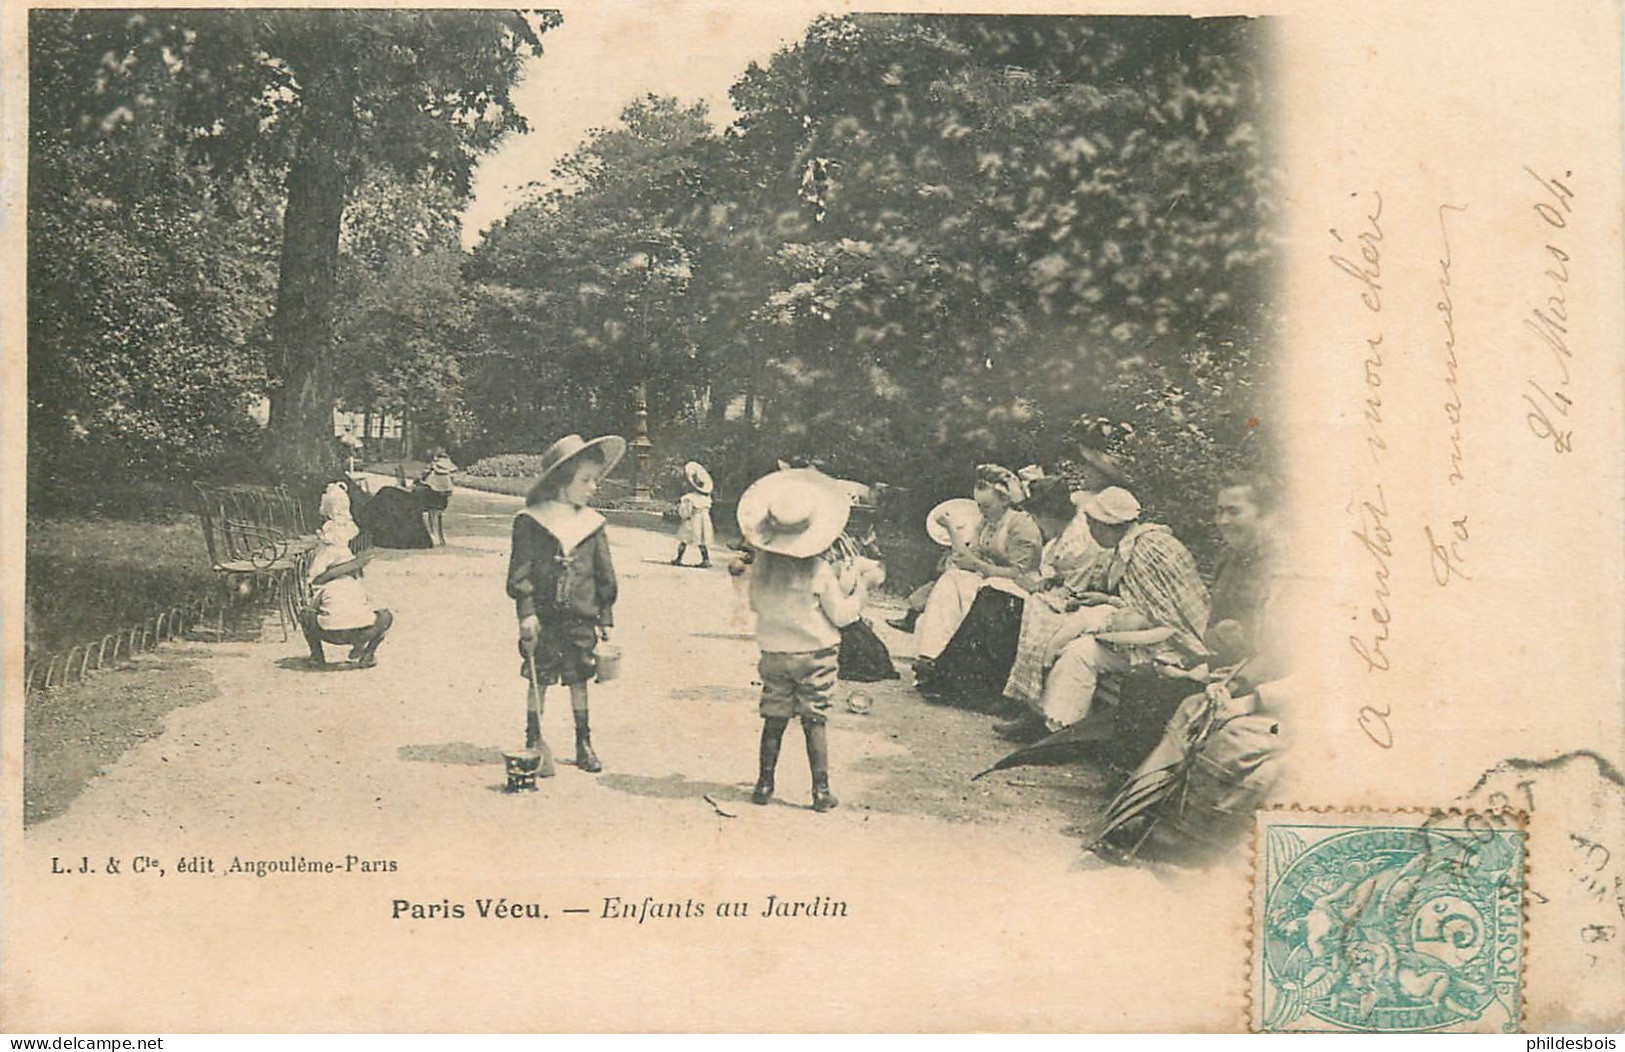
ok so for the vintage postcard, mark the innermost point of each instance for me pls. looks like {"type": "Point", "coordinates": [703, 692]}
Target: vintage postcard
{"type": "Point", "coordinates": [808, 517]}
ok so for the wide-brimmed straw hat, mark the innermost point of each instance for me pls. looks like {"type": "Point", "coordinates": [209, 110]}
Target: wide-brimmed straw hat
{"type": "Point", "coordinates": [1113, 506]}
{"type": "Point", "coordinates": [963, 517]}
{"type": "Point", "coordinates": [792, 513]}
{"type": "Point", "coordinates": [612, 448]}
{"type": "Point", "coordinates": [697, 476]}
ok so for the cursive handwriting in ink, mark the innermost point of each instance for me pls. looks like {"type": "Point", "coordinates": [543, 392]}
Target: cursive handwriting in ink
{"type": "Point", "coordinates": [1360, 258]}
{"type": "Point", "coordinates": [1447, 556]}
{"type": "Point", "coordinates": [1374, 721]}
{"type": "Point", "coordinates": [1377, 540]}
{"type": "Point", "coordinates": [1446, 307]}
{"type": "Point", "coordinates": [1367, 271]}
{"type": "Point", "coordinates": [1368, 268]}
{"type": "Point", "coordinates": [1547, 398]}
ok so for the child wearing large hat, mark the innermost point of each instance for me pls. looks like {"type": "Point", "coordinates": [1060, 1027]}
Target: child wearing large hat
{"type": "Point", "coordinates": [791, 518]}
{"type": "Point", "coordinates": [694, 515]}
{"type": "Point", "coordinates": [562, 582]}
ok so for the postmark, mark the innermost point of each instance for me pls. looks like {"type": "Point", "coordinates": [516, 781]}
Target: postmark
{"type": "Point", "coordinates": [1388, 922]}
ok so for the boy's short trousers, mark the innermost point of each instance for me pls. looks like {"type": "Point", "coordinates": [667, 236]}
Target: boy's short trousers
{"type": "Point", "coordinates": [798, 685]}
{"type": "Point", "coordinates": [565, 652]}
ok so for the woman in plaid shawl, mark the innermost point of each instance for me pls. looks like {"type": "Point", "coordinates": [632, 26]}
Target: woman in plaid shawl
{"type": "Point", "coordinates": [1144, 579]}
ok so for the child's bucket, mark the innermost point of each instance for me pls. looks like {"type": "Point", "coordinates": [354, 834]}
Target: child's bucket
{"type": "Point", "coordinates": [522, 767]}
{"type": "Point", "coordinates": [609, 662]}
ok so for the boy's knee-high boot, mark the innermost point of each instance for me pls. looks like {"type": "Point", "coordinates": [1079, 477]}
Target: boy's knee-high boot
{"type": "Point", "coordinates": [586, 759]}
{"type": "Point", "coordinates": [705, 556]}
{"type": "Point", "coordinates": [677, 560]}
{"type": "Point", "coordinates": [818, 760]}
{"type": "Point", "coordinates": [772, 738]}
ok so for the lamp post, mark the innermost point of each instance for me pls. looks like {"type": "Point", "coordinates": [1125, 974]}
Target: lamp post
{"type": "Point", "coordinates": [642, 448]}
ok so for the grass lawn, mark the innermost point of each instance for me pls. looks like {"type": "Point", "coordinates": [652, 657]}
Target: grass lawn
{"type": "Point", "coordinates": [89, 577]}
{"type": "Point", "coordinates": [94, 569]}
{"type": "Point", "coordinates": [515, 487]}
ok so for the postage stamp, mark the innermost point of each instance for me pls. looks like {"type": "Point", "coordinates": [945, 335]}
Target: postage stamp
{"type": "Point", "coordinates": [1388, 922]}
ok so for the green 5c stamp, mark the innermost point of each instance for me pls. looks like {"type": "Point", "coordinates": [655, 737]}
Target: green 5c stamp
{"type": "Point", "coordinates": [1397, 922]}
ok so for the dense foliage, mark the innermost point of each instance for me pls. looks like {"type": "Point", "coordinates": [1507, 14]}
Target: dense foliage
{"type": "Point", "coordinates": [190, 171]}
{"type": "Point", "coordinates": [923, 242]}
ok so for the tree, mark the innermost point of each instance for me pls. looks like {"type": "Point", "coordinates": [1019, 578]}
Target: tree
{"type": "Point", "coordinates": [958, 236]}
{"type": "Point", "coordinates": [928, 241]}
{"type": "Point", "coordinates": [148, 280]}
{"type": "Point", "coordinates": [592, 286]}
{"type": "Point", "coordinates": [322, 98]}
{"type": "Point", "coordinates": [403, 321]}
{"type": "Point", "coordinates": [1001, 217]}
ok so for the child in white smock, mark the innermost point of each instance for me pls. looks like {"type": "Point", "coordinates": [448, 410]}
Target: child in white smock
{"type": "Point", "coordinates": [694, 515]}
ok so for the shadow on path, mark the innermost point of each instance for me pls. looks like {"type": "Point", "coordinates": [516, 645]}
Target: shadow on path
{"type": "Point", "coordinates": [465, 753]}
{"type": "Point", "coordinates": [728, 695]}
{"type": "Point", "coordinates": [676, 787]}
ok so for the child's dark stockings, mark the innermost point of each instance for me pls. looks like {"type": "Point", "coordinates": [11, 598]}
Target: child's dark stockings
{"type": "Point", "coordinates": [772, 737]}
{"type": "Point", "coordinates": [818, 761]}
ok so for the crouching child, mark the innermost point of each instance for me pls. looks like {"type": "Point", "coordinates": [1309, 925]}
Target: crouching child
{"type": "Point", "coordinates": [340, 611]}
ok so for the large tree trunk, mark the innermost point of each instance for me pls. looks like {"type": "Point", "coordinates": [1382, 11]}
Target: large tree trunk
{"type": "Point", "coordinates": [301, 426]}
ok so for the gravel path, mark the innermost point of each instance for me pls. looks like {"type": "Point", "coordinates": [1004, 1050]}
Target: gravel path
{"type": "Point", "coordinates": [394, 775]}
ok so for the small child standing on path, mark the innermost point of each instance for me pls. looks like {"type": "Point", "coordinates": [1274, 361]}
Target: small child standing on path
{"type": "Point", "coordinates": [562, 582]}
{"type": "Point", "coordinates": [694, 512]}
{"type": "Point", "coordinates": [437, 477]}
{"type": "Point", "coordinates": [791, 518]}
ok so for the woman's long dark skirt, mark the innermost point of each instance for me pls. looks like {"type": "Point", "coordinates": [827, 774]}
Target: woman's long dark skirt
{"type": "Point", "coordinates": [394, 518]}
{"type": "Point", "coordinates": [971, 670]}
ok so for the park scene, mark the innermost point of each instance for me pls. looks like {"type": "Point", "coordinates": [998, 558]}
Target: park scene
{"type": "Point", "coordinates": [917, 386]}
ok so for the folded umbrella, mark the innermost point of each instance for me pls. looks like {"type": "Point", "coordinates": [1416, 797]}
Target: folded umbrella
{"type": "Point", "coordinates": [1068, 743]}
{"type": "Point", "coordinates": [1132, 726]}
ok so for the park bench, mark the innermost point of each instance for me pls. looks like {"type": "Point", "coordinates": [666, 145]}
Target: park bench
{"type": "Point", "coordinates": [257, 539]}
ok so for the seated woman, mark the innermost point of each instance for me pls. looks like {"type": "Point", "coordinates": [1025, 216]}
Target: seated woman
{"type": "Point", "coordinates": [394, 517]}
{"type": "Point", "coordinates": [1006, 549]}
{"type": "Point", "coordinates": [1220, 755]}
{"type": "Point", "coordinates": [953, 525]}
{"type": "Point", "coordinates": [1145, 580]}
{"type": "Point", "coordinates": [972, 668]}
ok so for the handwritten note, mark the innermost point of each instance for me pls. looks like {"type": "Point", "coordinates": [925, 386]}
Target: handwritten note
{"type": "Point", "coordinates": [1447, 547]}
{"type": "Point", "coordinates": [1359, 257]}
{"type": "Point", "coordinates": [1547, 389]}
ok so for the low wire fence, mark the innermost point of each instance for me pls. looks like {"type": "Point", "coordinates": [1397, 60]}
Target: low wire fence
{"type": "Point", "coordinates": [44, 671]}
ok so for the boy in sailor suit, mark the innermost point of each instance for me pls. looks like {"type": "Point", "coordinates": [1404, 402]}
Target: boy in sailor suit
{"type": "Point", "coordinates": [563, 584]}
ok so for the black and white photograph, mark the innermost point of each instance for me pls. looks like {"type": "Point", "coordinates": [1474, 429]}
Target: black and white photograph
{"type": "Point", "coordinates": [773, 500]}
